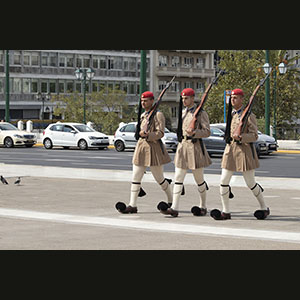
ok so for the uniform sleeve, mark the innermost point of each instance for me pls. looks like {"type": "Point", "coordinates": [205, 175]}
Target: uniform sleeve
{"type": "Point", "coordinates": [251, 135]}
{"type": "Point", "coordinates": [204, 132]}
{"type": "Point", "coordinates": [157, 130]}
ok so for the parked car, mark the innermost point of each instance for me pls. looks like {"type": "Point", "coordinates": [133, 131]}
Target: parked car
{"type": "Point", "coordinates": [271, 143]}
{"type": "Point", "coordinates": [260, 144]}
{"type": "Point", "coordinates": [73, 135]}
{"type": "Point", "coordinates": [215, 143]}
{"type": "Point", "coordinates": [124, 138]}
{"type": "Point", "coordinates": [11, 136]}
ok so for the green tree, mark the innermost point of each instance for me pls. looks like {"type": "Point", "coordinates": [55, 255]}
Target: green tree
{"type": "Point", "coordinates": [106, 109]}
{"type": "Point", "coordinates": [245, 70]}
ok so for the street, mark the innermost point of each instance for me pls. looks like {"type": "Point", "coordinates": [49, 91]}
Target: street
{"type": "Point", "coordinates": [66, 200]}
{"type": "Point", "coordinates": [274, 165]}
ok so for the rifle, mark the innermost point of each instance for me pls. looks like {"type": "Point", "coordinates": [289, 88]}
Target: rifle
{"type": "Point", "coordinates": [152, 112]}
{"type": "Point", "coordinates": [247, 111]}
{"type": "Point", "coordinates": [192, 125]}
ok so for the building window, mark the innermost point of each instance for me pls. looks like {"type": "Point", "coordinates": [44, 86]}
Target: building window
{"type": "Point", "coordinates": [16, 85]}
{"type": "Point", "coordinates": [34, 86]}
{"type": "Point", "coordinates": [26, 59]}
{"type": "Point", "coordinates": [17, 58]}
{"type": "Point", "coordinates": [188, 84]}
{"type": "Point", "coordinates": [102, 62]}
{"type": "Point", "coordinates": [52, 86]}
{"type": "Point", "coordinates": [162, 60]}
{"type": "Point", "coordinates": [200, 87]}
{"type": "Point", "coordinates": [62, 61]}
{"type": "Point", "coordinates": [162, 84]}
{"type": "Point", "coordinates": [44, 87]}
{"type": "Point", "coordinates": [188, 62]}
{"type": "Point", "coordinates": [26, 86]}
{"type": "Point", "coordinates": [110, 63]}
{"type": "Point", "coordinates": [61, 86]}
{"type": "Point", "coordinates": [175, 61]}
{"type": "Point", "coordinates": [1, 57]}
{"type": "Point", "coordinates": [175, 86]}
{"type": "Point", "coordinates": [200, 64]}
{"type": "Point", "coordinates": [70, 87]}
{"type": "Point", "coordinates": [35, 59]}
{"type": "Point", "coordinates": [174, 111]}
{"type": "Point", "coordinates": [53, 60]}
{"type": "Point", "coordinates": [70, 61]}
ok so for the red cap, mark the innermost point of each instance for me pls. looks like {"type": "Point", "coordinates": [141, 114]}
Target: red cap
{"type": "Point", "coordinates": [188, 92]}
{"type": "Point", "coordinates": [147, 95]}
{"type": "Point", "coordinates": [237, 92]}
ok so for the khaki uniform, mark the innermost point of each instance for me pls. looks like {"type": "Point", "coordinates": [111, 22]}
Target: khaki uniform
{"type": "Point", "coordinates": [241, 157]}
{"type": "Point", "coordinates": [148, 151]}
{"type": "Point", "coordinates": [189, 155]}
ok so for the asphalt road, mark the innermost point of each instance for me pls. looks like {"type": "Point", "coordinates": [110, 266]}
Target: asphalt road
{"type": "Point", "coordinates": [274, 165]}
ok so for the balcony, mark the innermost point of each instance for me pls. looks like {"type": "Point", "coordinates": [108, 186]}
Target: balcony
{"type": "Point", "coordinates": [185, 72]}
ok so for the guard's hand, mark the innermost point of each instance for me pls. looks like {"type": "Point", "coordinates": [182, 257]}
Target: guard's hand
{"type": "Point", "coordinates": [190, 132]}
{"type": "Point", "coordinates": [143, 133]}
{"type": "Point", "coordinates": [237, 137]}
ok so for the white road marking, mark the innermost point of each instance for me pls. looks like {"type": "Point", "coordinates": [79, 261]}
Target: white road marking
{"type": "Point", "coordinates": [280, 236]}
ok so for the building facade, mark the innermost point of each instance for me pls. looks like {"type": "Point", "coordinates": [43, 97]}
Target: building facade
{"type": "Point", "coordinates": [192, 68]}
{"type": "Point", "coordinates": [52, 72]}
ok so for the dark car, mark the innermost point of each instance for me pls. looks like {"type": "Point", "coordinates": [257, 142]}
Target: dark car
{"type": "Point", "coordinates": [215, 143]}
{"type": "Point", "coordinates": [260, 145]}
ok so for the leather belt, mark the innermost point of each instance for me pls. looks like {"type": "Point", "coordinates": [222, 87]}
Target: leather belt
{"type": "Point", "coordinates": [185, 137]}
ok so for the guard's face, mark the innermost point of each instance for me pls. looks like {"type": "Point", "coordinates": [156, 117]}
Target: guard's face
{"type": "Point", "coordinates": [188, 101]}
{"type": "Point", "coordinates": [237, 101]}
{"type": "Point", "coordinates": [147, 103]}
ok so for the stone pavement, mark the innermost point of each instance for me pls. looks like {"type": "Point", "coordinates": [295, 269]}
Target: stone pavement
{"type": "Point", "coordinates": [61, 208]}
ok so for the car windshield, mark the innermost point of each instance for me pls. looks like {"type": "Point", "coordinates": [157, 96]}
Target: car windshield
{"type": "Point", "coordinates": [84, 128]}
{"type": "Point", "coordinates": [7, 127]}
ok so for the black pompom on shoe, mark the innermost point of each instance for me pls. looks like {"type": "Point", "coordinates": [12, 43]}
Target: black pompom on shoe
{"type": "Point", "coordinates": [197, 211]}
{"type": "Point", "coordinates": [162, 206]}
{"type": "Point", "coordinates": [261, 214]}
{"type": "Point", "coordinates": [120, 206]}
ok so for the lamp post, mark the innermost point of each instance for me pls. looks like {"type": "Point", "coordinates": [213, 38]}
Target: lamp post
{"type": "Point", "coordinates": [143, 72]}
{"type": "Point", "coordinates": [7, 115]}
{"type": "Point", "coordinates": [282, 70]}
{"type": "Point", "coordinates": [43, 98]}
{"type": "Point", "coordinates": [267, 97]}
{"type": "Point", "coordinates": [83, 74]}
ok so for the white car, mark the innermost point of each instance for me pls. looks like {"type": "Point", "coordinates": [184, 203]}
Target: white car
{"type": "Point", "coordinates": [124, 138]}
{"type": "Point", "coordinates": [73, 135]}
{"type": "Point", "coordinates": [11, 136]}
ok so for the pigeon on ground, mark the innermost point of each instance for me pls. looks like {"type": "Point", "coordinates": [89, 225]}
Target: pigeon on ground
{"type": "Point", "coordinates": [18, 181]}
{"type": "Point", "coordinates": [3, 180]}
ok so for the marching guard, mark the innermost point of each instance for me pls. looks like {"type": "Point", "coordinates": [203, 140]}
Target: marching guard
{"type": "Point", "coordinates": [149, 152]}
{"type": "Point", "coordinates": [191, 154]}
{"type": "Point", "coordinates": [239, 155]}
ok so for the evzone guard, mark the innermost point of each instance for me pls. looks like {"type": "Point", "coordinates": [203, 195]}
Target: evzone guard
{"type": "Point", "coordinates": [191, 154]}
{"type": "Point", "coordinates": [149, 152]}
{"type": "Point", "coordinates": [240, 155]}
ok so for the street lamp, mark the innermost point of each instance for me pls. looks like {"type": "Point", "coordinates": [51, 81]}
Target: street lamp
{"type": "Point", "coordinates": [282, 70]}
{"type": "Point", "coordinates": [43, 98]}
{"type": "Point", "coordinates": [83, 74]}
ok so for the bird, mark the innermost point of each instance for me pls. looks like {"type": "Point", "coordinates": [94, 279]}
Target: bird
{"type": "Point", "coordinates": [18, 181]}
{"type": "Point", "coordinates": [3, 180]}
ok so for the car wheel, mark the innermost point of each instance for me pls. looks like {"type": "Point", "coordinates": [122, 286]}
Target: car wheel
{"type": "Point", "coordinates": [82, 144]}
{"type": "Point", "coordinates": [119, 146]}
{"type": "Point", "coordinates": [48, 144]}
{"type": "Point", "coordinates": [8, 142]}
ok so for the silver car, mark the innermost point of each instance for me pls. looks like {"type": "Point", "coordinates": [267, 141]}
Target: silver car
{"type": "Point", "coordinates": [124, 138]}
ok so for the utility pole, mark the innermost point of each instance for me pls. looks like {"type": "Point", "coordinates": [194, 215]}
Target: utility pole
{"type": "Point", "coordinates": [267, 99]}
{"type": "Point", "coordinates": [7, 117]}
{"type": "Point", "coordinates": [143, 72]}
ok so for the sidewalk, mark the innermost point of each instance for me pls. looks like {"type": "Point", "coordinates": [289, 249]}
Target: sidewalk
{"type": "Point", "coordinates": [52, 209]}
